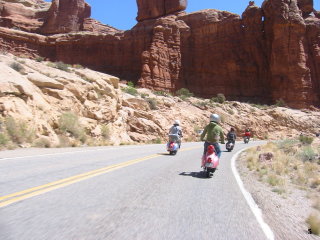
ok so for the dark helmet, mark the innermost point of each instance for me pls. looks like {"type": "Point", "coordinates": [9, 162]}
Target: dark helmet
{"type": "Point", "coordinates": [232, 130]}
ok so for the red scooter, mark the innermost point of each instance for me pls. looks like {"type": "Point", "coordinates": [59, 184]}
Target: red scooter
{"type": "Point", "coordinates": [210, 161]}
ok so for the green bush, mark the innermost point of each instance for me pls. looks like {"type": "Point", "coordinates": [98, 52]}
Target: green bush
{"type": "Point", "coordinates": [144, 95]}
{"type": "Point", "coordinates": [39, 59]}
{"type": "Point", "coordinates": [308, 154]}
{"type": "Point", "coordinates": [17, 66]}
{"type": "Point", "coordinates": [130, 84]}
{"type": "Point", "coordinates": [162, 93]}
{"type": "Point", "coordinates": [131, 90]}
{"type": "Point", "coordinates": [184, 93]}
{"type": "Point", "coordinates": [19, 131]}
{"type": "Point", "coordinates": [280, 103]}
{"type": "Point", "coordinates": [220, 98]}
{"type": "Point", "coordinates": [62, 66]}
{"type": "Point", "coordinates": [3, 139]}
{"type": "Point", "coordinates": [305, 139]}
{"type": "Point", "coordinates": [69, 123]}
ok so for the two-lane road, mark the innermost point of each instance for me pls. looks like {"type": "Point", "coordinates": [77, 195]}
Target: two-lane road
{"type": "Point", "coordinates": [128, 192]}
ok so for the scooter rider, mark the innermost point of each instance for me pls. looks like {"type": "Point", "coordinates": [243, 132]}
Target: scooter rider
{"type": "Point", "coordinates": [213, 133]}
{"type": "Point", "coordinates": [175, 132]}
{"type": "Point", "coordinates": [232, 136]}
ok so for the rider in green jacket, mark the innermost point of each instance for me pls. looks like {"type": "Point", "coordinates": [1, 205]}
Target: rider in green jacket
{"type": "Point", "coordinates": [213, 133]}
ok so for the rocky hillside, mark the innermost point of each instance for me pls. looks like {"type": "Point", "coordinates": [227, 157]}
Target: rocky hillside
{"type": "Point", "coordinates": [267, 54]}
{"type": "Point", "coordinates": [54, 104]}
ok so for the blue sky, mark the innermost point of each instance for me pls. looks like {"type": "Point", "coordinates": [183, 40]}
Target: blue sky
{"type": "Point", "coordinates": [121, 14]}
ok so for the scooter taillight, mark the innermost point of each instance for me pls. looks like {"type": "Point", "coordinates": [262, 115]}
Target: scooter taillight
{"type": "Point", "coordinates": [171, 144]}
{"type": "Point", "coordinates": [209, 160]}
{"type": "Point", "coordinates": [210, 149]}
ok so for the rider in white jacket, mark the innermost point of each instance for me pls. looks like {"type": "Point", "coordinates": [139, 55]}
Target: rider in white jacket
{"type": "Point", "coordinates": [175, 132]}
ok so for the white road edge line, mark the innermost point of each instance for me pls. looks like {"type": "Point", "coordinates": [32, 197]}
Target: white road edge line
{"type": "Point", "coordinates": [252, 204]}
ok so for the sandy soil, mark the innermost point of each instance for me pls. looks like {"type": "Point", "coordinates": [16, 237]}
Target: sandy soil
{"type": "Point", "coordinates": [285, 213]}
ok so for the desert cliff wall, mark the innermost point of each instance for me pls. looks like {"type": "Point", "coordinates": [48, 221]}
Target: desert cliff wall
{"type": "Point", "coordinates": [267, 54]}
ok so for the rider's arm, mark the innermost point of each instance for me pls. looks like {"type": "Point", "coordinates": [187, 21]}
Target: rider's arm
{"type": "Point", "coordinates": [203, 134]}
{"type": "Point", "coordinates": [221, 137]}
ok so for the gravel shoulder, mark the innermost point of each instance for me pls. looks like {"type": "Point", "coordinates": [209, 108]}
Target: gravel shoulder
{"type": "Point", "coordinates": [285, 213]}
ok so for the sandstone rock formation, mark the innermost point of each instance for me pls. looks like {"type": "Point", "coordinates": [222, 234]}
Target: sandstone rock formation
{"type": "Point", "coordinates": [150, 9]}
{"type": "Point", "coordinates": [269, 53]}
{"type": "Point", "coordinates": [66, 16]}
{"type": "Point", "coordinates": [41, 93]}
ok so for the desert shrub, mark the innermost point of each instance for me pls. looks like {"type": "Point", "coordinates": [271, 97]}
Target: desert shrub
{"type": "Point", "coordinates": [220, 98]}
{"type": "Point", "coordinates": [78, 66]}
{"type": "Point", "coordinates": [279, 190]}
{"type": "Point", "coordinates": [280, 103]}
{"type": "Point", "coordinates": [162, 93]}
{"type": "Point", "coordinates": [152, 103]}
{"type": "Point", "coordinates": [19, 131]}
{"type": "Point", "coordinates": [286, 144]}
{"type": "Point", "coordinates": [305, 139]}
{"type": "Point", "coordinates": [105, 132]}
{"type": "Point", "coordinates": [144, 95]}
{"type": "Point", "coordinates": [230, 111]}
{"type": "Point", "coordinates": [64, 141]}
{"type": "Point", "coordinates": [313, 222]}
{"type": "Point", "coordinates": [17, 66]}
{"type": "Point", "coordinates": [307, 154]}
{"type": "Point", "coordinates": [39, 59]}
{"type": "Point", "coordinates": [157, 141]}
{"type": "Point", "coordinates": [62, 66]}
{"type": "Point", "coordinates": [69, 123]}
{"type": "Point", "coordinates": [131, 90]}
{"type": "Point", "coordinates": [42, 143]}
{"type": "Point", "coordinates": [130, 84]}
{"type": "Point", "coordinates": [184, 93]}
{"type": "Point", "coordinates": [3, 139]}
{"type": "Point", "coordinates": [273, 180]}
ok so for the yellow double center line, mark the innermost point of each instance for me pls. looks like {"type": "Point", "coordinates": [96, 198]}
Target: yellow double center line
{"type": "Point", "coordinates": [31, 192]}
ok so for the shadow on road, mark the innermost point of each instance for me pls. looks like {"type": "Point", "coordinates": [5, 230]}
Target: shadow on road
{"type": "Point", "coordinates": [164, 154]}
{"type": "Point", "coordinates": [200, 174]}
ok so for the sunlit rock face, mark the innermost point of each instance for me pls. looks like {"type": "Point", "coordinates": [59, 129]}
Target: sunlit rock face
{"type": "Point", "coordinates": [150, 9]}
{"type": "Point", "coordinates": [267, 54]}
{"type": "Point", "coordinates": [66, 16]}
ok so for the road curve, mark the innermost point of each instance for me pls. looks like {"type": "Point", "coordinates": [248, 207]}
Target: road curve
{"type": "Point", "coordinates": [127, 192]}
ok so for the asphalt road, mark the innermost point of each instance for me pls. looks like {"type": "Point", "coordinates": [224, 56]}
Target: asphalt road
{"type": "Point", "coordinates": [127, 192]}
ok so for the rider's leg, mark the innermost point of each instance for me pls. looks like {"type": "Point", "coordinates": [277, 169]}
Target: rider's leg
{"type": "Point", "coordinates": [217, 148]}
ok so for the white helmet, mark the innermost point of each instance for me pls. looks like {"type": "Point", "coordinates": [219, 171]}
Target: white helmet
{"type": "Point", "coordinates": [176, 122]}
{"type": "Point", "coordinates": [214, 118]}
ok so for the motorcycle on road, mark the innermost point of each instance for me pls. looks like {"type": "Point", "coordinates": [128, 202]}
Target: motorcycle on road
{"type": "Point", "coordinates": [173, 145]}
{"type": "Point", "coordinates": [210, 161]}
{"type": "Point", "coordinates": [229, 146]}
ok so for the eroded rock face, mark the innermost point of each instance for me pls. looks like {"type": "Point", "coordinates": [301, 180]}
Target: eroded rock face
{"type": "Point", "coordinates": [26, 15]}
{"type": "Point", "coordinates": [270, 53]}
{"type": "Point", "coordinates": [290, 72]}
{"type": "Point", "coordinates": [150, 9]}
{"type": "Point", "coordinates": [66, 16]}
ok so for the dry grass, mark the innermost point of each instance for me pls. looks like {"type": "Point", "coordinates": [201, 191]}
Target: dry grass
{"type": "Point", "coordinates": [292, 162]}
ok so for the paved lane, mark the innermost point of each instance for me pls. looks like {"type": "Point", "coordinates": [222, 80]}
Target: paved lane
{"type": "Point", "coordinates": [164, 197]}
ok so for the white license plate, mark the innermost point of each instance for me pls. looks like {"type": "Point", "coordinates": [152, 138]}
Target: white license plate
{"type": "Point", "coordinates": [209, 164]}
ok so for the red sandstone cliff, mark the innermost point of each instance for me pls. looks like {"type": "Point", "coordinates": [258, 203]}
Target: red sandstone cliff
{"type": "Point", "coordinates": [269, 53]}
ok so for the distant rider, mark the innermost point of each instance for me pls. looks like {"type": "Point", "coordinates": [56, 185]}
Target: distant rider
{"type": "Point", "coordinates": [213, 133]}
{"type": "Point", "coordinates": [231, 136]}
{"type": "Point", "coordinates": [247, 133]}
{"type": "Point", "coordinates": [175, 132]}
